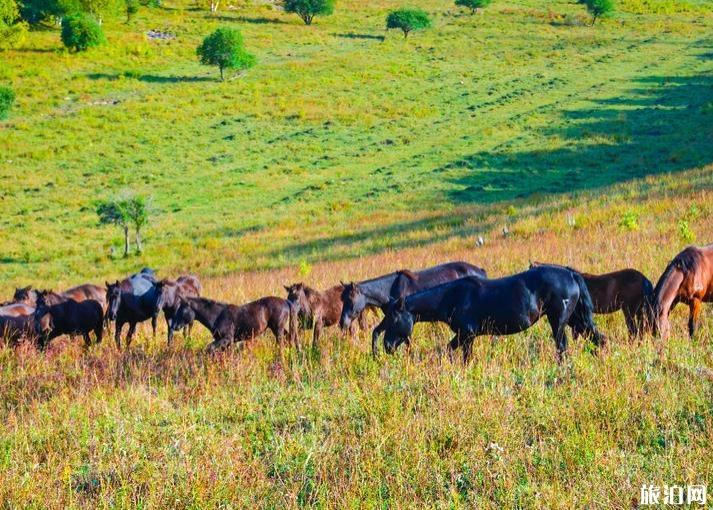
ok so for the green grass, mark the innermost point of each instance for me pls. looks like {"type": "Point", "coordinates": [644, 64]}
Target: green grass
{"type": "Point", "coordinates": [343, 139]}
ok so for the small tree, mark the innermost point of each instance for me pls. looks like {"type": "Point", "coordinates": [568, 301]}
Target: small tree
{"type": "Point", "coordinates": [408, 20]}
{"type": "Point", "coordinates": [80, 32]}
{"type": "Point", "coordinates": [7, 97]}
{"type": "Point", "coordinates": [114, 212]}
{"type": "Point", "coordinates": [473, 5]}
{"type": "Point", "coordinates": [224, 48]}
{"type": "Point", "coordinates": [599, 8]}
{"type": "Point", "coordinates": [138, 212]}
{"type": "Point", "coordinates": [132, 7]}
{"type": "Point", "coordinates": [308, 9]}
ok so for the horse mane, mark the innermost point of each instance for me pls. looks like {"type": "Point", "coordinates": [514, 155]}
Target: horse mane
{"type": "Point", "coordinates": [408, 274]}
{"type": "Point", "coordinates": [687, 262]}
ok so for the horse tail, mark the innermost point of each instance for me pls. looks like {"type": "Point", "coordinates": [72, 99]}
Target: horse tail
{"type": "Point", "coordinates": [582, 320]}
{"type": "Point", "coordinates": [649, 302]}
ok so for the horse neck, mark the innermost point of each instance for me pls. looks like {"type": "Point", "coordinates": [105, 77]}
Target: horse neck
{"type": "Point", "coordinates": [427, 305]}
{"type": "Point", "coordinates": [206, 311]}
{"type": "Point", "coordinates": [378, 290]}
{"type": "Point", "coordinates": [667, 288]}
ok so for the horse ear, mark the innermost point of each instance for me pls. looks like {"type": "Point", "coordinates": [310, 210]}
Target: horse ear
{"type": "Point", "coordinates": [287, 288]}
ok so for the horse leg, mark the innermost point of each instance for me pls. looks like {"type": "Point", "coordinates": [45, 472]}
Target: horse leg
{"type": "Point", "coordinates": [695, 313]}
{"type": "Point", "coordinates": [318, 325]}
{"type": "Point", "coordinates": [453, 345]}
{"type": "Point", "coordinates": [468, 347]}
{"type": "Point", "coordinates": [87, 340]}
{"type": "Point", "coordinates": [154, 320]}
{"type": "Point", "coordinates": [558, 319]}
{"type": "Point", "coordinates": [375, 338]}
{"type": "Point", "coordinates": [130, 333]}
{"type": "Point", "coordinates": [117, 333]}
{"type": "Point", "coordinates": [630, 319]}
{"type": "Point", "coordinates": [169, 340]}
{"type": "Point", "coordinates": [98, 332]}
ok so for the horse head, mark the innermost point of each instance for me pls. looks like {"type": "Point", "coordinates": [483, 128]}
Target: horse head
{"type": "Point", "coordinates": [113, 299]}
{"type": "Point", "coordinates": [398, 324]}
{"type": "Point", "coordinates": [353, 302]}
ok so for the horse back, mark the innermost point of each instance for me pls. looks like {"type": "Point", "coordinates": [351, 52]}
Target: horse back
{"type": "Point", "coordinates": [17, 310]}
{"type": "Point", "coordinates": [86, 292]}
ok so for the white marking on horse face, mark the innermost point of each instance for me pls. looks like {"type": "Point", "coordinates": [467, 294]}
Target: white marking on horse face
{"type": "Point", "coordinates": [565, 302]}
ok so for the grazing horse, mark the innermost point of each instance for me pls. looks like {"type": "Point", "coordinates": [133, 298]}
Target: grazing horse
{"type": "Point", "coordinates": [476, 306]}
{"type": "Point", "coordinates": [377, 291]}
{"type": "Point", "coordinates": [68, 318]}
{"type": "Point", "coordinates": [237, 323]}
{"type": "Point", "coordinates": [687, 279]}
{"type": "Point", "coordinates": [321, 309]}
{"type": "Point", "coordinates": [126, 306]}
{"type": "Point", "coordinates": [28, 295]}
{"type": "Point", "coordinates": [627, 290]}
{"type": "Point", "coordinates": [205, 311]}
{"type": "Point", "coordinates": [171, 294]}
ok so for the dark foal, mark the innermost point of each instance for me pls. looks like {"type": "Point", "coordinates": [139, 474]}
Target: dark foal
{"type": "Point", "coordinates": [245, 322]}
{"type": "Point", "coordinates": [627, 290]}
{"type": "Point", "coordinates": [687, 279]}
{"type": "Point", "coordinates": [321, 309]}
{"type": "Point", "coordinates": [68, 318]}
{"type": "Point", "coordinates": [171, 294]}
{"type": "Point", "coordinates": [504, 306]}
{"type": "Point", "coordinates": [205, 311]}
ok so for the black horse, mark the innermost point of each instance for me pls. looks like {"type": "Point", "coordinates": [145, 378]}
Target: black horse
{"type": "Point", "coordinates": [378, 291]}
{"type": "Point", "coordinates": [504, 306]}
{"type": "Point", "coordinates": [68, 318]}
{"type": "Point", "coordinates": [128, 303]}
{"type": "Point", "coordinates": [205, 311]}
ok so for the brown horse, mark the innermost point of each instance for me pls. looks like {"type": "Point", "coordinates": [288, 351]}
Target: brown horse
{"type": "Point", "coordinates": [171, 292]}
{"type": "Point", "coordinates": [16, 310]}
{"type": "Point", "coordinates": [627, 290]}
{"type": "Point", "coordinates": [322, 309]}
{"type": "Point", "coordinates": [28, 295]}
{"type": "Point", "coordinates": [238, 323]}
{"type": "Point", "coordinates": [13, 329]}
{"type": "Point", "coordinates": [688, 279]}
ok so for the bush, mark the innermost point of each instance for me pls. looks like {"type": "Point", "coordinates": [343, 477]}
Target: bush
{"type": "Point", "coordinates": [629, 221]}
{"type": "Point", "coordinates": [224, 48]}
{"type": "Point", "coordinates": [473, 4]}
{"type": "Point", "coordinates": [80, 32]}
{"type": "Point", "coordinates": [408, 20]}
{"type": "Point", "coordinates": [308, 9]}
{"type": "Point", "coordinates": [132, 7]}
{"type": "Point", "coordinates": [599, 8]}
{"type": "Point", "coordinates": [37, 11]}
{"type": "Point", "coordinates": [7, 97]}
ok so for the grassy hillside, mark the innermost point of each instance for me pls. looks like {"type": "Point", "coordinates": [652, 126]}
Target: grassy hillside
{"type": "Point", "coordinates": [344, 140]}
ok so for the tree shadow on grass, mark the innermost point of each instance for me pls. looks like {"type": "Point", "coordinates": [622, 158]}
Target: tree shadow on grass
{"type": "Point", "coordinates": [665, 126]}
{"type": "Point", "coordinates": [152, 78]}
{"type": "Point", "coordinates": [352, 35]}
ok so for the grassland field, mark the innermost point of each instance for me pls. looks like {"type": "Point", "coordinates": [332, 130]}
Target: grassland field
{"type": "Point", "coordinates": [345, 153]}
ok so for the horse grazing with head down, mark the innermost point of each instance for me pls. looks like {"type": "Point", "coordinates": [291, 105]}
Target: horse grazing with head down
{"type": "Point", "coordinates": [627, 290]}
{"type": "Point", "coordinates": [688, 279]}
{"type": "Point", "coordinates": [171, 292]}
{"type": "Point", "coordinates": [476, 306]}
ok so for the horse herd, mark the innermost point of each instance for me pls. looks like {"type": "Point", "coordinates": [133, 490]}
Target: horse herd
{"type": "Point", "coordinates": [456, 293]}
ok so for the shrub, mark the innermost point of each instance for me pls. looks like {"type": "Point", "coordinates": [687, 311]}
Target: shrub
{"type": "Point", "coordinates": [685, 233]}
{"type": "Point", "coordinates": [224, 48]}
{"type": "Point", "coordinates": [9, 12]}
{"type": "Point", "coordinates": [599, 8]}
{"type": "Point", "coordinates": [473, 4]}
{"type": "Point", "coordinates": [629, 221]}
{"type": "Point", "coordinates": [36, 11]}
{"type": "Point", "coordinates": [308, 9]}
{"type": "Point", "coordinates": [132, 7]}
{"type": "Point", "coordinates": [80, 32]}
{"type": "Point", "coordinates": [7, 97]}
{"type": "Point", "coordinates": [408, 20]}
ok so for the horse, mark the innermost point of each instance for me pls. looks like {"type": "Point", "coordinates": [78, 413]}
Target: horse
{"type": "Point", "coordinates": [245, 322]}
{"type": "Point", "coordinates": [15, 328]}
{"type": "Point", "coordinates": [320, 309]}
{"type": "Point", "coordinates": [28, 295]}
{"type": "Point", "coordinates": [206, 311]}
{"type": "Point", "coordinates": [129, 303]}
{"type": "Point", "coordinates": [16, 310]}
{"type": "Point", "coordinates": [378, 291]}
{"type": "Point", "coordinates": [68, 318]}
{"type": "Point", "coordinates": [627, 290]}
{"type": "Point", "coordinates": [475, 306]}
{"type": "Point", "coordinates": [171, 294]}
{"type": "Point", "coordinates": [687, 279]}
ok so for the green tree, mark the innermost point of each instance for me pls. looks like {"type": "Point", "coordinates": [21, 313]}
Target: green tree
{"type": "Point", "coordinates": [132, 7]}
{"type": "Point", "coordinates": [408, 20]}
{"type": "Point", "coordinates": [599, 8]}
{"type": "Point", "coordinates": [37, 11]}
{"type": "Point", "coordinates": [138, 210]}
{"type": "Point", "coordinates": [224, 48]}
{"type": "Point", "coordinates": [308, 9]}
{"type": "Point", "coordinates": [115, 212]}
{"type": "Point", "coordinates": [80, 32]}
{"type": "Point", "coordinates": [9, 12]}
{"type": "Point", "coordinates": [7, 98]}
{"type": "Point", "coordinates": [473, 4]}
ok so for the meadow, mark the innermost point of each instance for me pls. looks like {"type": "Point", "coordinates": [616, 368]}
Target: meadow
{"type": "Point", "coordinates": [345, 153]}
